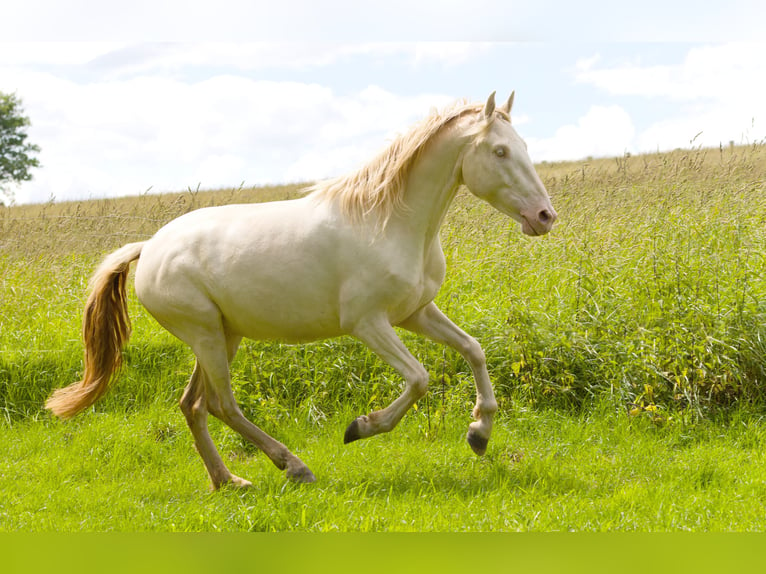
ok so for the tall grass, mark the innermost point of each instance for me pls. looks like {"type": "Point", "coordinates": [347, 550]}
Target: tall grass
{"type": "Point", "coordinates": [649, 292]}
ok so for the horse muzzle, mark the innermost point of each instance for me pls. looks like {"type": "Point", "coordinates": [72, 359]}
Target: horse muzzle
{"type": "Point", "coordinates": [539, 222]}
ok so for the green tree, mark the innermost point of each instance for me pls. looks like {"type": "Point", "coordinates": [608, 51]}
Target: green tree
{"type": "Point", "coordinates": [15, 152]}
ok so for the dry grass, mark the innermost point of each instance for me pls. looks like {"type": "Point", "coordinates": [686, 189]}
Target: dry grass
{"type": "Point", "coordinates": [98, 226]}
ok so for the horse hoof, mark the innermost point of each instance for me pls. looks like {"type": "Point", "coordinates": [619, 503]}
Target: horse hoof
{"type": "Point", "coordinates": [302, 474]}
{"type": "Point", "coordinates": [232, 482]}
{"type": "Point", "coordinates": [477, 443]}
{"type": "Point", "coordinates": [352, 432]}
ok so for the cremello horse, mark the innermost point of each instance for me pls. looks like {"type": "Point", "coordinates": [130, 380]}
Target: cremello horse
{"type": "Point", "coordinates": [357, 255]}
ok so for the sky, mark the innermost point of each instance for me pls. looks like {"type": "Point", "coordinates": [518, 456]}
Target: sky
{"type": "Point", "coordinates": [169, 95]}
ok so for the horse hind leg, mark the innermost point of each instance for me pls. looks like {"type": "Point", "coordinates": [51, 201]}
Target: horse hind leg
{"type": "Point", "coordinates": [214, 358]}
{"type": "Point", "coordinates": [194, 407]}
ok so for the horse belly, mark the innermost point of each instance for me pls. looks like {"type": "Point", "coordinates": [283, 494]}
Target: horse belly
{"type": "Point", "coordinates": [282, 291]}
{"type": "Point", "coordinates": [290, 313]}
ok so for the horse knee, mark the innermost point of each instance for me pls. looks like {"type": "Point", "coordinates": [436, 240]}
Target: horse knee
{"type": "Point", "coordinates": [473, 352]}
{"type": "Point", "coordinates": [191, 406]}
{"type": "Point", "coordinates": [417, 384]}
{"type": "Point", "coordinates": [223, 409]}
{"type": "Point", "coordinates": [485, 407]}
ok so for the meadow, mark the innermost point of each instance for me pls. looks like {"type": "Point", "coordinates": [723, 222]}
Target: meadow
{"type": "Point", "coordinates": [626, 350]}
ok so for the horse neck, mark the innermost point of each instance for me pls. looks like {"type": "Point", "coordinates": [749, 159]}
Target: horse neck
{"type": "Point", "coordinates": [432, 184]}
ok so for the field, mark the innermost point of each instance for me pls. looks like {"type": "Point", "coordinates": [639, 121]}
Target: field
{"type": "Point", "coordinates": [626, 349]}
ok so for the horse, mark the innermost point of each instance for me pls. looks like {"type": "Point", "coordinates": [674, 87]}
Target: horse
{"type": "Point", "coordinates": [356, 255]}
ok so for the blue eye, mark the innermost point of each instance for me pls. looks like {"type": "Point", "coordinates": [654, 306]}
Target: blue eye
{"type": "Point", "coordinates": [501, 151]}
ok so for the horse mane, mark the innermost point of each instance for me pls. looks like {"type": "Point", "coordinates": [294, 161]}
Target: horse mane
{"type": "Point", "coordinates": [376, 189]}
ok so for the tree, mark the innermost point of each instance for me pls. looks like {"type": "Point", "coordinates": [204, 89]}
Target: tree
{"type": "Point", "coordinates": [15, 152]}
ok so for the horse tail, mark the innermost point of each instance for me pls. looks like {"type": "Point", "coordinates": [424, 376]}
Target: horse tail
{"type": "Point", "coordinates": [105, 329]}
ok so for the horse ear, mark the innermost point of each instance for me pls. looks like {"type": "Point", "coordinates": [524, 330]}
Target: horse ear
{"type": "Point", "coordinates": [508, 105]}
{"type": "Point", "coordinates": [489, 108]}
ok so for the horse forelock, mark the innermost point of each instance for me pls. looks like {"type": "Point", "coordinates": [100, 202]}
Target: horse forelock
{"type": "Point", "coordinates": [376, 189]}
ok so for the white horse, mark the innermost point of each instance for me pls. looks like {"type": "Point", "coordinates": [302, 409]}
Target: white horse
{"type": "Point", "coordinates": [357, 255]}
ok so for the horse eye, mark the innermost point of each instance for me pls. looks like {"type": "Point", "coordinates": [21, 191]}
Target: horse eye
{"type": "Point", "coordinates": [501, 151]}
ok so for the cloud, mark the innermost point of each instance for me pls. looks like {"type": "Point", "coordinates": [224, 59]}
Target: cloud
{"type": "Point", "coordinates": [726, 71]}
{"type": "Point", "coordinates": [250, 56]}
{"type": "Point", "coordinates": [54, 53]}
{"type": "Point", "coordinates": [298, 20]}
{"type": "Point", "coordinates": [123, 136]}
{"type": "Point", "coordinates": [719, 90]}
{"type": "Point", "coordinates": [116, 60]}
{"type": "Point", "coordinates": [393, 20]}
{"type": "Point", "coordinates": [602, 131]}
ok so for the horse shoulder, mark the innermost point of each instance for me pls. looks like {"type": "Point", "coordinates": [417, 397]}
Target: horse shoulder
{"type": "Point", "coordinates": [391, 278]}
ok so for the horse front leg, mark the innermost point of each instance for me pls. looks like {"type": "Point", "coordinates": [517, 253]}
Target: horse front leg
{"type": "Point", "coordinates": [430, 322]}
{"type": "Point", "coordinates": [380, 336]}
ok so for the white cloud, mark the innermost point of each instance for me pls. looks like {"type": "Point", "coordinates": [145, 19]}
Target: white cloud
{"type": "Point", "coordinates": [354, 21]}
{"type": "Point", "coordinates": [297, 20]}
{"type": "Point", "coordinates": [115, 59]}
{"type": "Point", "coordinates": [719, 88]}
{"type": "Point", "coordinates": [54, 53]}
{"type": "Point", "coordinates": [449, 53]}
{"type": "Point", "coordinates": [602, 131]}
{"type": "Point", "coordinates": [122, 136]}
{"type": "Point", "coordinates": [726, 71]}
{"type": "Point", "coordinates": [707, 129]}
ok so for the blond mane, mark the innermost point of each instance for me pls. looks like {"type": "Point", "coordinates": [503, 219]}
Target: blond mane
{"type": "Point", "coordinates": [376, 189]}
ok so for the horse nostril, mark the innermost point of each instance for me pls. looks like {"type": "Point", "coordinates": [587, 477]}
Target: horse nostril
{"type": "Point", "coordinates": [544, 216]}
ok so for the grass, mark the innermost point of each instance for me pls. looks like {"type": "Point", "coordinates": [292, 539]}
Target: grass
{"type": "Point", "coordinates": [626, 350]}
{"type": "Point", "coordinates": [546, 471]}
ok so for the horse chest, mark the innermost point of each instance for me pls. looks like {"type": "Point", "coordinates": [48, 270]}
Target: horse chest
{"type": "Point", "coordinates": [412, 289]}
{"type": "Point", "coordinates": [419, 295]}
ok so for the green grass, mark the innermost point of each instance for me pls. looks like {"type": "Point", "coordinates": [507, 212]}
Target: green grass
{"type": "Point", "coordinates": [626, 349]}
{"type": "Point", "coordinates": [545, 471]}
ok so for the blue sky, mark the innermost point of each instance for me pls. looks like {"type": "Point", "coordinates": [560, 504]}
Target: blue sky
{"type": "Point", "coordinates": [124, 101]}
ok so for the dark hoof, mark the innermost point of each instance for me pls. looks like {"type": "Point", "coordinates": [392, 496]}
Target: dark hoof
{"type": "Point", "coordinates": [352, 432]}
{"type": "Point", "coordinates": [477, 443]}
{"type": "Point", "coordinates": [301, 475]}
